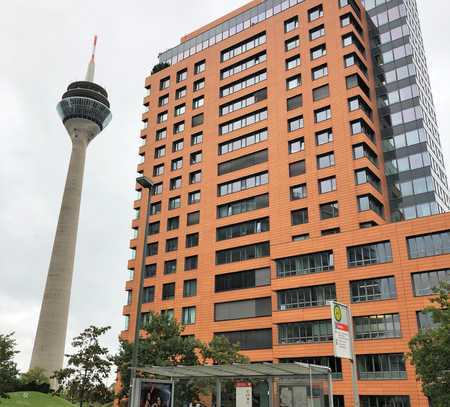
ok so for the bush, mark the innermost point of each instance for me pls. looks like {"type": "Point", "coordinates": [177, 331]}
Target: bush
{"type": "Point", "coordinates": [160, 67]}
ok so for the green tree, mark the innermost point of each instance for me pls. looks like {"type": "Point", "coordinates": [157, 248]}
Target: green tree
{"type": "Point", "coordinates": [430, 351]}
{"type": "Point", "coordinates": [35, 375]}
{"type": "Point", "coordinates": [8, 368]}
{"type": "Point", "coordinates": [164, 345]}
{"type": "Point", "coordinates": [87, 370]}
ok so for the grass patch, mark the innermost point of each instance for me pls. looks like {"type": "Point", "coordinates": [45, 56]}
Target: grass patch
{"type": "Point", "coordinates": [34, 399]}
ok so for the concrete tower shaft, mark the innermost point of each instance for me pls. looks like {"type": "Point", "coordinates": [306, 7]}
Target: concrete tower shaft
{"type": "Point", "coordinates": [84, 110]}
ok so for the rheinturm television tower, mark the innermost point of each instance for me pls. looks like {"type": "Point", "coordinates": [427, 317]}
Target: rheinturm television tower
{"type": "Point", "coordinates": [85, 112]}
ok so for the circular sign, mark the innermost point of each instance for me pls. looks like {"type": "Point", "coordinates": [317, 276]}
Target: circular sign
{"type": "Point", "coordinates": [337, 312]}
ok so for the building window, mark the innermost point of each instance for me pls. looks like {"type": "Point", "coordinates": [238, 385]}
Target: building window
{"type": "Point", "coordinates": [250, 339]}
{"type": "Point", "coordinates": [152, 249]}
{"type": "Point", "coordinates": [182, 75]}
{"type": "Point", "coordinates": [381, 367]}
{"type": "Point", "coordinates": [324, 137]}
{"type": "Point", "coordinates": [181, 92]}
{"type": "Point", "coordinates": [305, 264]}
{"type": "Point", "coordinates": [161, 134]}
{"type": "Point", "coordinates": [332, 362]}
{"type": "Point", "coordinates": [242, 206]}
{"type": "Point", "coordinates": [357, 10]}
{"type": "Point", "coordinates": [176, 164]}
{"type": "Point", "coordinates": [377, 326]}
{"type": "Point", "coordinates": [198, 102]}
{"type": "Point", "coordinates": [299, 216]}
{"type": "Point", "coordinates": [305, 332]}
{"type": "Point", "coordinates": [162, 117]}
{"type": "Point", "coordinates": [318, 52]}
{"type": "Point", "coordinates": [242, 229]}
{"type": "Point", "coordinates": [190, 288]}
{"type": "Point", "coordinates": [299, 238]}
{"type": "Point", "coordinates": [167, 313]}
{"type": "Point", "coordinates": [243, 65]}
{"type": "Point", "coordinates": [150, 270]}
{"type": "Point", "coordinates": [197, 120]}
{"type": "Point", "coordinates": [295, 123]}
{"type": "Point", "coordinates": [199, 84]}
{"type": "Point", "coordinates": [433, 244]}
{"type": "Point", "coordinates": [168, 291]}
{"type": "Point", "coordinates": [294, 102]}
{"type": "Point", "coordinates": [379, 401]}
{"type": "Point", "coordinates": [153, 228]}
{"type": "Point", "coordinates": [163, 100]}
{"type": "Point", "coordinates": [195, 177]}
{"type": "Point", "coordinates": [243, 121]}
{"type": "Point", "coordinates": [243, 102]}
{"type": "Point", "coordinates": [322, 114]}
{"type": "Point", "coordinates": [175, 183]}
{"type": "Point", "coordinates": [291, 24]}
{"type": "Point", "coordinates": [242, 162]}
{"type": "Point", "coordinates": [374, 289]}
{"type": "Point", "coordinates": [349, 39]}
{"type": "Point", "coordinates": [243, 46]}
{"type": "Point", "coordinates": [158, 170]}
{"type": "Point", "coordinates": [325, 160]}
{"type": "Point", "coordinates": [178, 127]}
{"type": "Point", "coordinates": [425, 320]}
{"type": "Point", "coordinates": [148, 294]}
{"type": "Point", "coordinates": [362, 150]}
{"type": "Point", "coordinates": [174, 202]}
{"type": "Point", "coordinates": [319, 72]}
{"type": "Point", "coordinates": [164, 83]}
{"type": "Point", "coordinates": [425, 282]}
{"type": "Point", "coordinates": [170, 266]}
{"type": "Point", "coordinates": [160, 152]}
{"type": "Point", "coordinates": [188, 316]}
{"type": "Point", "coordinates": [244, 141]}
{"type": "Point", "coordinates": [196, 138]}
{"type": "Point", "coordinates": [258, 307]}
{"type": "Point", "coordinates": [242, 279]}
{"type": "Point", "coordinates": [355, 81]}
{"type": "Point", "coordinates": [173, 223]}
{"type": "Point", "coordinates": [321, 93]}
{"type": "Point", "coordinates": [243, 253]}
{"type": "Point", "coordinates": [329, 232]}
{"type": "Point", "coordinates": [172, 244]}
{"type": "Point", "coordinates": [193, 218]}
{"type": "Point", "coordinates": [327, 185]}
{"type": "Point", "coordinates": [177, 145]}
{"type": "Point", "coordinates": [366, 255]}
{"type": "Point", "coordinates": [296, 145]}
{"type": "Point", "coordinates": [316, 32]}
{"type": "Point", "coordinates": [199, 67]}
{"type": "Point", "coordinates": [192, 240]}
{"type": "Point", "coordinates": [366, 176]}
{"type": "Point", "coordinates": [353, 59]}
{"type": "Point", "coordinates": [155, 208]}
{"type": "Point", "coordinates": [370, 203]}
{"type": "Point", "coordinates": [329, 210]}
{"type": "Point", "coordinates": [180, 110]}
{"type": "Point", "coordinates": [292, 62]}
{"type": "Point", "coordinates": [298, 192]}
{"type": "Point", "coordinates": [190, 263]}
{"type": "Point", "coordinates": [291, 43]}
{"type": "Point", "coordinates": [194, 197]}
{"type": "Point", "coordinates": [293, 82]}
{"type": "Point", "coordinates": [252, 181]}
{"type": "Point", "coordinates": [358, 103]}
{"type": "Point", "coordinates": [315, 13]}
{"type": "Point", "coordinates": [243, 83]}
{"type": "Point", "coordinates": [297, 168]}
{"type": "Point", "coordinates": [306, 297]}
{"type": "Point", "coordinates": [195, 157]}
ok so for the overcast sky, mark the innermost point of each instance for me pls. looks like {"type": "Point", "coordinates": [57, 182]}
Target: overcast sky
{"type": "Point", "coordinates": [44, 46]}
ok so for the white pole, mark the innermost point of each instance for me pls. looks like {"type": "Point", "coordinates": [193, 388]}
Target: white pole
{"type": "Point", "coordinates": [353, 362]}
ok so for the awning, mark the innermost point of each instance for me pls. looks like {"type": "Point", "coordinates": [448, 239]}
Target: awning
{"type": "Point", "coordinates": [237, 370]}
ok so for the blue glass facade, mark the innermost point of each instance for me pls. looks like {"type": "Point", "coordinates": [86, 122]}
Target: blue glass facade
{"type": "Point", "coordinates": [414, 163]}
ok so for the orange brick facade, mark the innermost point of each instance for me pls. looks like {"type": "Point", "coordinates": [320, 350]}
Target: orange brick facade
{"type": "Point", "coordinates": [281, 232]}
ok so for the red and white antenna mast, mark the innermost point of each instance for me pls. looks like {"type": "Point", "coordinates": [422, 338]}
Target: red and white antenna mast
{"type": "Point", "coordinates": [91, 67]}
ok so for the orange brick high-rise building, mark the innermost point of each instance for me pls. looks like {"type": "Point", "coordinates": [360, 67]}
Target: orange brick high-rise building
{"type": "Point", "coordinates": [295, 157]}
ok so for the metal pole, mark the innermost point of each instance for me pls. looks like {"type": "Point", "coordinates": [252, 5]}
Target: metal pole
{"type": "Point", "coordinates": [137, 330]}
{"type": "Point", "coordinates": [330, 390]}
{"type": "Point", "coordinates": [218, 393]}
{"type": "Point", "coordinates": [311, 395]}
{"type": "Point", "coordinates": [353, 362]}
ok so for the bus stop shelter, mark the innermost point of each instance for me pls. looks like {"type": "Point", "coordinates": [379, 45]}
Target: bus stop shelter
{"type": "Point", "coordinates": [240, 385]}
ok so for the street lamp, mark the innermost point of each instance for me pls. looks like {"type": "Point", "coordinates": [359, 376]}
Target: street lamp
{"type": "Point", "coordinates": [145, 183]}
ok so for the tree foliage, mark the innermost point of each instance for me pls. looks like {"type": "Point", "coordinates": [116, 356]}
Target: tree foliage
{"type": "Point", "coordinates": [164, 345]}
{"type": "Point", "coordinates": [159, 67]}
{"type": "Point", "coordinates": [35, 375]}
{"type": "Point", "coordinates": [8, 368]}
{"type": "Point", "coordinates": [87, 369]}
{"type": "Point", "coordinates": [430, 351]}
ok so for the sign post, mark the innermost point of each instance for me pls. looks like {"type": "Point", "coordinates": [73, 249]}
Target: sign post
{"type": "Point", "coordinates": [342, 323]}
